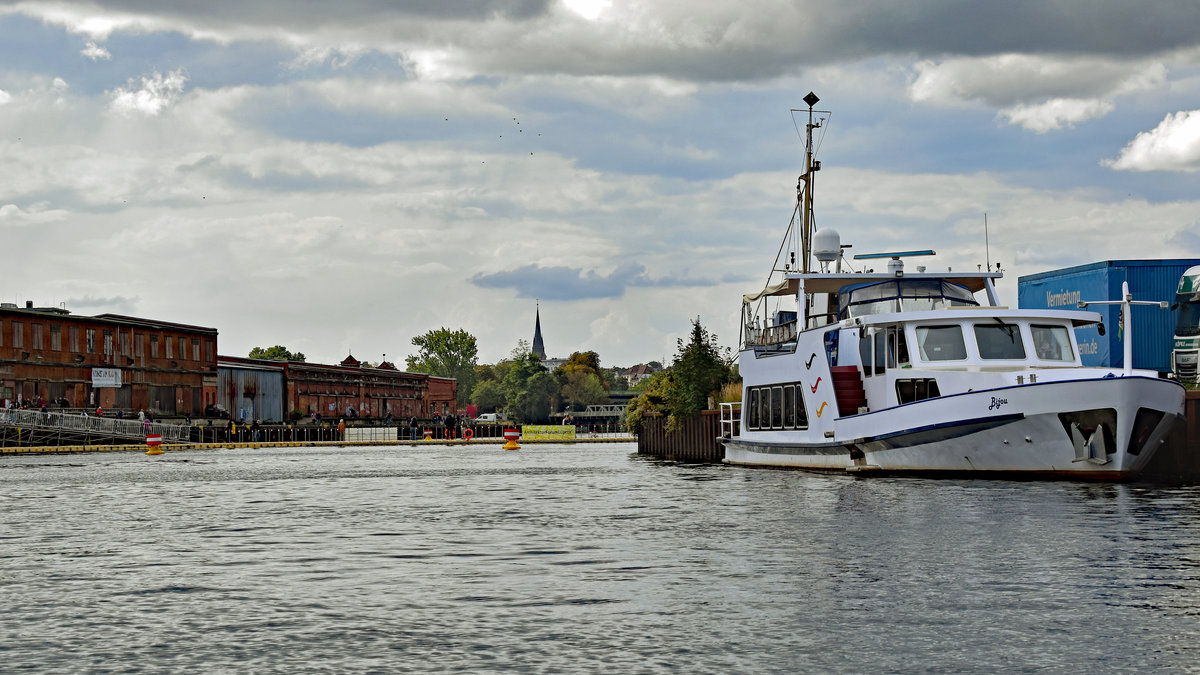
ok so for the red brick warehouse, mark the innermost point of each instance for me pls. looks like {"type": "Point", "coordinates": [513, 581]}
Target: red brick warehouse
{"type": "Point", "coordinates": [49, 356]}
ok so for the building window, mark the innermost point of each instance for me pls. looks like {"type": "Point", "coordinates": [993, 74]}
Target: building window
{"type": "Point", "coordinates": [195, 349]}
{"type": "Point", "coordinates": [73, 337]}
{"type": "Point", "coordinates": [18, 334]}
{"type": "Point", "coordinates": [37, 335]}
{"type": "Point", "coordinates": [91, 341]}
{"type": "Point", "coordinates": [56, 338]}
{"type": "Point", "coordinates": [124, 339]}
{"type": "Point", "coordinates": [208, 351]}
{"type": "Point", "coordinates": [170, 347]}
{"type": "Point", "coordinates": [139, 345]}
{"type": "Point", "coordinates": [154, 346]}
{"type": "Point", "coordinates": [108, 343]}
{"type": "Point", "coordinates": [1, 332]}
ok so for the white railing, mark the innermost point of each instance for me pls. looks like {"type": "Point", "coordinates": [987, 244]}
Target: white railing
{"type": "Point", "coordinates": [771, 335]}
{"type": "Point", "coordinates": [360, 434]}
{"type": "Point", "coordinates": [100, 426]}
{"type": "Point", "coordinates": [731, 419]}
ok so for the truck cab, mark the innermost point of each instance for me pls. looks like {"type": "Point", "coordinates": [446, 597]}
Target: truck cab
{"type": "Point", "coordinates": [1185, 353]}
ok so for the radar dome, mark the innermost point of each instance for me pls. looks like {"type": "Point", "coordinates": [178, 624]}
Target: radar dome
{"type": "Point", "coordinates": [827, 244]}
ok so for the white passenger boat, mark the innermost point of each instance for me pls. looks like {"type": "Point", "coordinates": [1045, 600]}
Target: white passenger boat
{"type": "Point", "coordinates": [921, 371]}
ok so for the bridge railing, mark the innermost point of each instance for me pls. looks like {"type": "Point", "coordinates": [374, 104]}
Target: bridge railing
{"type": "Point", "coordinates": [103, 426]}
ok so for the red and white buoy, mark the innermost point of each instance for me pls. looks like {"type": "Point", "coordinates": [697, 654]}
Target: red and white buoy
{"type": "Point", "coordinates": [511, 435]}
{"type": "Point", "coordinates": [154, 441]}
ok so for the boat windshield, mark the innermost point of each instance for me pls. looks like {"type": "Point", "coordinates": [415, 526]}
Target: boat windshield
{"type": "Point", "coordinates": [901, 295]}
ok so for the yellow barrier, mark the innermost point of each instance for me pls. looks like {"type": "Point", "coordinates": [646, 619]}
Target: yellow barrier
{"type": "Point", "coordinates": [548, 432]}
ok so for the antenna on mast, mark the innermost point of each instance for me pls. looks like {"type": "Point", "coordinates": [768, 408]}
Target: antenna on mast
{"type": "Point", "coordinates": [986, 251]}
{"type": "Point", "coordinates": [810, 168]}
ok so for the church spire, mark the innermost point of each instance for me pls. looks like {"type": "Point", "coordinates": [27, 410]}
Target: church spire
{"type": "Point", "coordinates": [538, 348]}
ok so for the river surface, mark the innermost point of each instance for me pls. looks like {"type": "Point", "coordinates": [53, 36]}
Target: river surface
{"type": "Point", "coordinates": [579, 559]}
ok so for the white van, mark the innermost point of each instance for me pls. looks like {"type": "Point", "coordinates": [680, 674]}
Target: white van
{"type": "Point", "coordinates": [487, 417]}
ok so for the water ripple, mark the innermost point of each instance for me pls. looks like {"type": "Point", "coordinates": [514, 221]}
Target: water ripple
{"type": "Point", "coordinates": [568, 559]}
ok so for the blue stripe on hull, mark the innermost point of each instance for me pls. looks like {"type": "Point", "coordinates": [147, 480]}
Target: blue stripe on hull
{"type": "Point", "coordinates": [898, 439]}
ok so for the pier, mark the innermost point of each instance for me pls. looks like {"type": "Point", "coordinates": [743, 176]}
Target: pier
{"type": "Point", "coordinates": [34, 432]}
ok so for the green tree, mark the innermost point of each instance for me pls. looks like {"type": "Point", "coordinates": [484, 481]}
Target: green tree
{"type": "Point", "coordinates": [699, 371]}
{"type": "Point", "coordinates": [656, 391]}
{"type": "Point", "coordinates": [579, 380]}
{"type": "Point", "coordinates": [488, 396]}
{"type": "Point", "coordinates": [614, 379]}
{"type": "Point", "coordinates": [580, 389]}
{"type": "Point", "coordinates": [520, 351]}
{"type": "Point", "coordinates": [538, 398]}
{"type": "Point", "coordinates": [276, 353]}
{"type": "Point", "coordinates": [531, 392]}
{"type": "Point", "coordinates": [586, 360]}
{"type": "Point", "coordinates": [447, 353]}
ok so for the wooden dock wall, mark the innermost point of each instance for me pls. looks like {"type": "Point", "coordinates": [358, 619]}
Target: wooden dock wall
{"type": "Point", "coordinates": [694, 441]}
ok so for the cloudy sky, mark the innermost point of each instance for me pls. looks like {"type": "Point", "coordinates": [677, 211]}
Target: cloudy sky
{"type": "Point", "coordinates": [342, 176]}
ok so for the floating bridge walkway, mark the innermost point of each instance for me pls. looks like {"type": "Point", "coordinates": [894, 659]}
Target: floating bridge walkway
{"type": "Point", "coordinates": [33, 427]}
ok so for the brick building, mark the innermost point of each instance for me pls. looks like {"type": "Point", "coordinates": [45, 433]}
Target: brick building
{"type": "Point", "coordinates": [49, 356]}
{"type": "Point", "coordinates": [272, 390]}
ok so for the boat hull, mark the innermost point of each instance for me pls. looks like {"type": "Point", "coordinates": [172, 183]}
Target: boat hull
{"type": "Point", "coordinates": [1025, 430]}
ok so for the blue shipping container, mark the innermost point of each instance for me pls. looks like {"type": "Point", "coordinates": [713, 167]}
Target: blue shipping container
{"type": "Point", "coordinates": [1154, 328]}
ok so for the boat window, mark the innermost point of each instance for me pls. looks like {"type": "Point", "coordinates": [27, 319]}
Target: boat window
{"type": "Point", "coordinates": [1052, 343]}
{"type": "Point", "coordinates": [897, 347]}
{"type": "Point", "coordinates": [778, 406]}
{"type": "Point", "coordinates": [941, 343]}
{"type": "Point", "coordinates": [831, 346]}
{"type": "Point", "coordinates": [999, 341]}
{"type": "Point", "coordinates": [881, 352]}
{"type": "Point", "coordinates": [902, 295]}
{"type": "Point", "coordinates": [916, 389]}
{"type": "Point", "coordinates": [865, 345]}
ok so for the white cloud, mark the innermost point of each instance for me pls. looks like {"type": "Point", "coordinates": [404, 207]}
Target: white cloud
{"type": "Point", "coordinates": [1056, 113]}
{"type": "Point", "coordinates": [12, 215]}
{"type": "Point", "coordinates": [5, 97]}
{"type": "Point", "coordinates": [156, 93]}
{"type": "Point", "coordinates": [1174, 145]}
{"type": "Point", "coordinates": [95, 52]}
{"type": "Point", "coordinates": [1038, 93]}
{"type": "Point", "coordinates": [588, 9]}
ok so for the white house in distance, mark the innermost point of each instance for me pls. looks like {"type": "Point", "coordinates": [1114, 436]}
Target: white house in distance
{"type": "Point", "coordinates": [640, 372]}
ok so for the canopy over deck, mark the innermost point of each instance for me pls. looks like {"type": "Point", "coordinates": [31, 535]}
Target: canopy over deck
{"type": "Point", "coordinates": [832, 283]}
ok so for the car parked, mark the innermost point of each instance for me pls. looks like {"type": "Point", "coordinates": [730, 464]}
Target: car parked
{"type": "Point", "coordinates": [215, 410]}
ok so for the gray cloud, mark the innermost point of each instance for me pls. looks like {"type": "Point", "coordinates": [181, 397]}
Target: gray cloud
{"type": "Point", "coordinates": [754, 40]}
{"type": "Point", "coordinates": [566, 283]}
{"type": "Point", "coordinates": [92, 305]}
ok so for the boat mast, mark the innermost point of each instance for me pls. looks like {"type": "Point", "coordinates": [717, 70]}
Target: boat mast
{"type": "Point", "coordinates": [805, 186]}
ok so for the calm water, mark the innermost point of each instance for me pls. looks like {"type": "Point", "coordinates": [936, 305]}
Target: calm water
{"type": "Point", "coordinates": [579, 559]}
